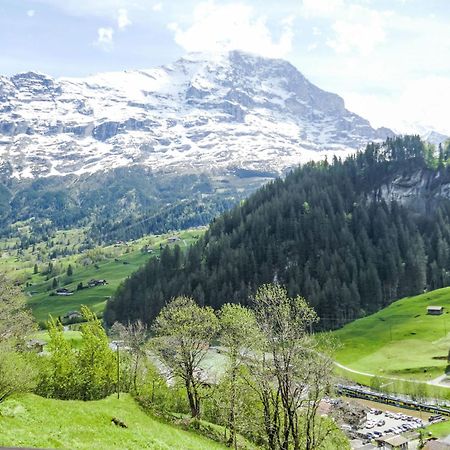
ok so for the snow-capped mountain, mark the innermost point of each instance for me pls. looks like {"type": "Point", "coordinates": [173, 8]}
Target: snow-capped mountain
{"type": "Point", "coordinates": [216, 114]}
{"type": "Point", "coordinates": [434, 137]}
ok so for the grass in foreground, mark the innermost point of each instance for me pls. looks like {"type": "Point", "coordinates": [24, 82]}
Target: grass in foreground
{"type": "Point", "coordinates": [400, 340]}
{"type": "Point", "coordinates": [30, 420]}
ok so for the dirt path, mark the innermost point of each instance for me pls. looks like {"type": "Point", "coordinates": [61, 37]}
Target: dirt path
{"type": "Point", "coordinates": [353, 370]}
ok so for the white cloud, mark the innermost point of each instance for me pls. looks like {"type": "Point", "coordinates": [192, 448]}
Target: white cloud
{"type": "Point", "coordinates": [354, 25]}
{"type": "Point", "coordinates": [362, 30]}
{"type": "Point", "coordinates": [219, 27]}
{"type": "Point", "coordinates": [320, 8]}
{"type": "Point", "coordinates": [157, 7]}
{"type": "Point", "coordinates": [122, 19]}
{"type": "Point", "coordinates": [105, 39]}
{"type": "Point", "coordinates": [421, 105]}
{"type": "Point", "coordinates": [31, 13]}
{"type": "Point", "coordinates": [386, 63]}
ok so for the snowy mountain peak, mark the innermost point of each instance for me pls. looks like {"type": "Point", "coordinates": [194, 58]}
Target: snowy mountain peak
{"type": "Point", "coordinates": [434, 137]}
{"type": "Point", "coordinates": [199, 113]}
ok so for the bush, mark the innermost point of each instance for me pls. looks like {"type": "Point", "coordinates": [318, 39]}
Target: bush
{"type": "Point", "coordinates": [87, 373]}
{"type": "Point", "coordinates": [18, 372]}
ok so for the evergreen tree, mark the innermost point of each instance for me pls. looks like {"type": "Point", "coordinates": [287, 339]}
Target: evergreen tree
{"type": "Point", "coordinates": [328, 232]}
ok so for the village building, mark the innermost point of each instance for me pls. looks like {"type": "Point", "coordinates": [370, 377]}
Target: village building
{"type": "Point", "coordinates": [94, 283]}
{"type": "Point", "coordinates": [73, 315]}
{"type": "Point", "coordinates": [437, 444]}
{"type": "Point", "coordinates": [63, 291]}
{"type": "Point", "coordinates": [357, 444]}
{"type": "Point", "coordinates": [36, 344]}
{"type": "Point", "coordinates": [435, 310]}
{"type": "Point", "coordinates": [392, 442]}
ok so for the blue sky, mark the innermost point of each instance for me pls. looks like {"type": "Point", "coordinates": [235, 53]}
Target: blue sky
{"type": "Point", "coordinates": [388, 59]}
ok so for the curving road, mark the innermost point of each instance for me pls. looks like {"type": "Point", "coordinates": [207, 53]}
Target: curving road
{"type": "Point", "coordinates": [441, 381]}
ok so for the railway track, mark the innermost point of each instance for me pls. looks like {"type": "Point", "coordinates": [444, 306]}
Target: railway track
{"type": "Point", "coordinates": [360, 392]}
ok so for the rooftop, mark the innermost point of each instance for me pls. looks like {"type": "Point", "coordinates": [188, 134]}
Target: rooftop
{"type": "Point", "coordinates": [393, 440]}
{"type": "Point", "coordinates": [436, 445]}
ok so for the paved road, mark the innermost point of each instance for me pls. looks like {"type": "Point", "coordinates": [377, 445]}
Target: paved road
{"type": "Point", "coordinates": [442, 381]}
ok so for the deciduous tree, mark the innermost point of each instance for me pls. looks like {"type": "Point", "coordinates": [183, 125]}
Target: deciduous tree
{"type": "Point", "coordinates": [16, 323]}
{"type": "Point", "coordinates": [134, 335]}
{"type": "Point", "coordinates": [238, 333]}
{"type": "Point", "coordinates": [289, 372]}
{"type": "Point", "coordinates": [184, 333]}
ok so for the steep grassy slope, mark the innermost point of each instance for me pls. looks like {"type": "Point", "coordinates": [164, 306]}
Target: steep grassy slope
{"type": "Point", "coordinates": [33, 421]}
{"type": "Point", "coordinates": [401, 340]}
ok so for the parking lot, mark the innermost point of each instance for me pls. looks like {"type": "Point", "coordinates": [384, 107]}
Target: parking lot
{"type": "Point", "coordinates": [380, 423]}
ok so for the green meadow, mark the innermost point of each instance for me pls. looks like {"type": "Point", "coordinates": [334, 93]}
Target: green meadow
{"type": "Point", "coordinates": [112, 263]}
{"type": "Point", "coordinates": [401, 340]}
{"type": "Point", "coordinates": [33, 421]}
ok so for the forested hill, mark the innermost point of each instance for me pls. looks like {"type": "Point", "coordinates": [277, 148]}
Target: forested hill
{"type": "Point", "coordinates": [349, 236]}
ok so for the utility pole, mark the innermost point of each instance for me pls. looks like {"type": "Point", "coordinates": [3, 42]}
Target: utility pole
{"type": "Point", "coordinates": [118, 344]}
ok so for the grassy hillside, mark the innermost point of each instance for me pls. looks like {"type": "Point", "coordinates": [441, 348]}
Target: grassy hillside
{"type": "Point", "coordinates": [401, 340]}
{"type": "Point", "coordinates": [112, 263]}
{"type": "Point", "coordinates": [33, 421]}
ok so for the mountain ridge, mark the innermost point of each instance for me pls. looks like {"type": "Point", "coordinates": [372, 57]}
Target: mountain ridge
{"type": "Point", "coordinates": [236, 110]}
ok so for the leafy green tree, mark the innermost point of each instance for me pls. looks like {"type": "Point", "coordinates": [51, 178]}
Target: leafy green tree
{"type": "Point", "coordinates": [238, 334]}
{"type": "Point", "coordinates": [96, 362]}
{"type": "Point", "coordinates": [59, 373]}
{"type": "Point", "coordinates": [184, 333]}
{"type": "Point", "coordinates": [69, 270]}
{"type": "Point", "coordinates": [87, 373]}
{"type": "Point", "coordinates": [18, 372]}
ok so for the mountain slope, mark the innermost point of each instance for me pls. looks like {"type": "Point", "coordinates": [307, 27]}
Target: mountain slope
{"type": "Point", "coordinates": [335, 234]}
{"type": "Point", "coordinates": [380, 344]}
{"type": "Point", "coordinates": [151, 151]}
{"type": "Point", "coordinates": [236, 110]}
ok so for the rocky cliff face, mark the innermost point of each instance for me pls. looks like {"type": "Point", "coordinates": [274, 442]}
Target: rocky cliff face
{"type": "Point", "coordinates": [199, 114]}
{"type": "Point", "coordinates": [419, 190]}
